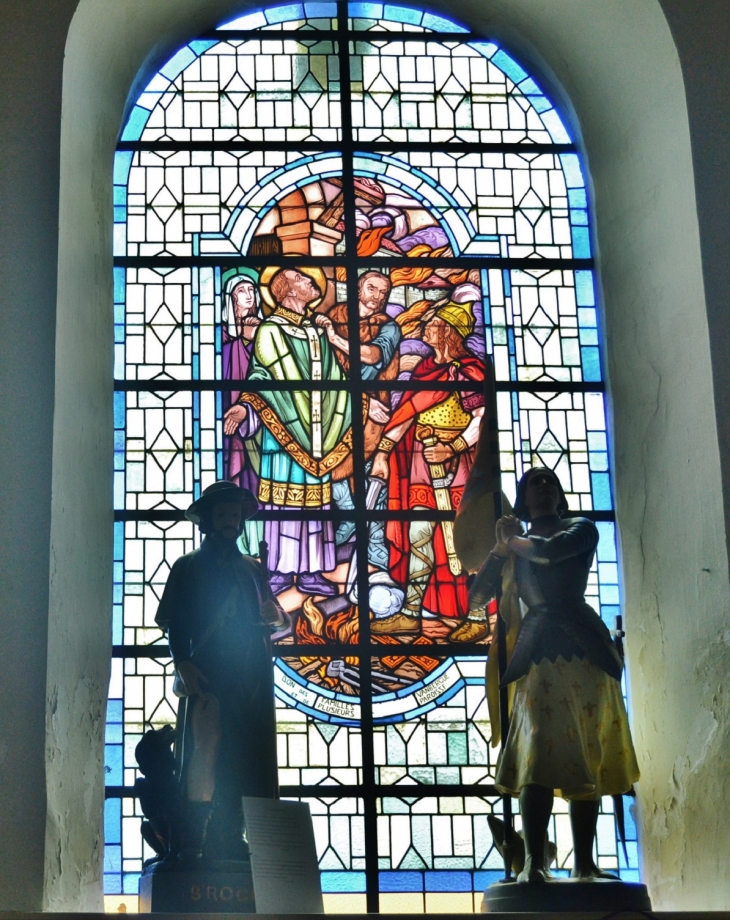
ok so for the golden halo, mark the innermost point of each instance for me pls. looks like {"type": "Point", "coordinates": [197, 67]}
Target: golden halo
{"type": "Point", "coordinates": [269, 304]}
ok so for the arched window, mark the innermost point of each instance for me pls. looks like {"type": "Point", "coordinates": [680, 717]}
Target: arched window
{"type": "Point", "coordinates": [298, 180]}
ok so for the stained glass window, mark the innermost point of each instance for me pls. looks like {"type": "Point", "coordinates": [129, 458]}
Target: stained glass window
{"type": "Point", "coordinates": [300, 179]}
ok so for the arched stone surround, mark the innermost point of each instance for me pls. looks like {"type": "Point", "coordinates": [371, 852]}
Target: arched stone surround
{"type": "Point", "coordinates": [618, 66]}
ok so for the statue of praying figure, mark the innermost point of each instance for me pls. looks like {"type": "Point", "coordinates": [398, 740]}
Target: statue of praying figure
{"type": "Point", "coordinates": [218, 611]}
{"type": "Point", "coordinates": [568, 731]}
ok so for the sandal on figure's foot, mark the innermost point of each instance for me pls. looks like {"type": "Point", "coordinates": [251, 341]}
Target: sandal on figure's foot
{"type": "Point", "coordinates": [470, 631]}
{"type": "Point", "coordinates": [395, 624]}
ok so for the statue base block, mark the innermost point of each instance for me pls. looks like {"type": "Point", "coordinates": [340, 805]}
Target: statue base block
{"type": "Point", "coordinates": [559, 895]}
{"type": "Point", "coordinates": [221, 886]}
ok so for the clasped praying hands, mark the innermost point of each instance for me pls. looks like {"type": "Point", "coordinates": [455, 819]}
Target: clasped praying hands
{"type": "Point", "coordinates": [507, 526]}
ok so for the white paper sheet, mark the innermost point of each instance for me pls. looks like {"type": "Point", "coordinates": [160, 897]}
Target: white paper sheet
{"type": "Point", "coordinates": [283, 857]}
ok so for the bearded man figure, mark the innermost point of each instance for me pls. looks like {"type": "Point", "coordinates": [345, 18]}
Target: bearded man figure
{"type": "Point", "coordinates": [379, 338]}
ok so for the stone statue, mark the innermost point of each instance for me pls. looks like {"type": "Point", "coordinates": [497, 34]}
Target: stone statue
{"type": "Point", "coordinates": [568, 731]}
{"type": "Point", "coordinates": [218, 611]}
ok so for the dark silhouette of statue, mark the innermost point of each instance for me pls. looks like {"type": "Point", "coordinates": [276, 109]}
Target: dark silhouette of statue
{"type": "Point", "coordinates": [218, 611]}
{"type": "Point", "coordinates": [159, 792]}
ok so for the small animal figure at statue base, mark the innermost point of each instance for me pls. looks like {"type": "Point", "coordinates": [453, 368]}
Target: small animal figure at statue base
{"type": "Point", "coordinates": [158, 792]}
{"type": "Point", "coordinates": [517, 846]}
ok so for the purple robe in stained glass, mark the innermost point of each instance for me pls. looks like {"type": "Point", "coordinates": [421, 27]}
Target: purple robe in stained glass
{"type": "Point", "coordinates": [236, 361]}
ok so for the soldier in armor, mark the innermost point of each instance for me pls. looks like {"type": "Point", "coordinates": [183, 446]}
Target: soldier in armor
{"type": "Point", "coordinates": [425, 454]}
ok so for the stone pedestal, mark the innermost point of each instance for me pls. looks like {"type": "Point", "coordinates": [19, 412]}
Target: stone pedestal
{"type": "Point", "coordinates": [214, 886]}
{"type": "Point", "coordinates": [558, 895]}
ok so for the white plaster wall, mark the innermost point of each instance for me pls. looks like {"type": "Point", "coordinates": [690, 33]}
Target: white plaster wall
{"type": "Point", "coordinates": [30, 131]}
{"type": "Point", "coordinates": [618, 65]}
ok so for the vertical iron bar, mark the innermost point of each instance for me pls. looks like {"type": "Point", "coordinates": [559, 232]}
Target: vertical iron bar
{"type": "Point", "coordinates": [359, 477]}
{"type": "Point", "coordinates": [504, 724]}
{"type": "Point", "coordinates": [491, 400]}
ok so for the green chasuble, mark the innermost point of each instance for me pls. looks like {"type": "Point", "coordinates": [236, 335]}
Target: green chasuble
{"type": "Point", "coordinates": [311, 428]}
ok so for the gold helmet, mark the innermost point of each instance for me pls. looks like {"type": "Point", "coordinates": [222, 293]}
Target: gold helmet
{"type": "Point", "coordinates": [458, 315]}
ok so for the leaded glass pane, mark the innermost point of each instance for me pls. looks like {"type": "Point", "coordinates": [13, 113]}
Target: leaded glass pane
{"type": "Point", "coordinates": [447, 744]}
{"type": "Point", "coordinates": [272, 89]}
{"type": "Point", "coordinates": [413, 190]}
{"type": "Point", "coordinates": [492, 203]}
{"type": "Point", "coordinates": [300, 16]}
{"type": "Point", "coordinates": [446, 91]}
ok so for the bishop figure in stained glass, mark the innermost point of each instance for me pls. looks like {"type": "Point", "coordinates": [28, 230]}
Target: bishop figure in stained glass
{"type": "Point", "coordinates": [298, 437]}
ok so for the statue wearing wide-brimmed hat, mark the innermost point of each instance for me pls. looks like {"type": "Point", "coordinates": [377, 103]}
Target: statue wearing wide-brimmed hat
{"type": "Point", "coordinates": [218, 611]}
{"type": "Point", "coordinates": [218, 492]}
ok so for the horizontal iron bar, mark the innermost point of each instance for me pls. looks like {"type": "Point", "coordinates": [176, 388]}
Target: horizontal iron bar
{"type": "Point", "coordinates": [156, 385]}
{"type": "Point", "coordinates": [479, 261]}
{"type": "Point", "coordinates": [371, 650]}
{"type": "Point", "coordinates": [290, 514]}
{"type": "Point", "coordinates": [153, 515]}
{"type": "Point", "coordinates": [332, 650]}
{"type": "Point", "coordinates": [415, 791]}
{"type": "Point", "coordinates": [335, 791]}
{"type": "Point", "coordinates": [454, 146]}
{"type": "Point", "coordinates": [310, 35]}
{"type": "Point", "coordinates": [141, 651]}
{"type": "Point", "coordinates": [268, 386]}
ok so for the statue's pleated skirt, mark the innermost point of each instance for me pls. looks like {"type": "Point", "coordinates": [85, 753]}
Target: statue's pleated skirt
{"type": "Point", "coordinates": [568, 732]}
